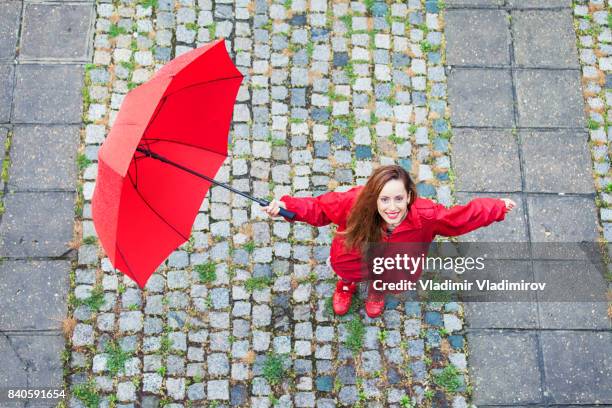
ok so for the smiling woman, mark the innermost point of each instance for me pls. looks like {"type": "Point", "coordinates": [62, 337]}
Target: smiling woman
{"type": "Point", "coordinates": [385, 210]}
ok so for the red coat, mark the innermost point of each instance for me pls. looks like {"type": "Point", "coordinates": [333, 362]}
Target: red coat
{"type": "Point", "coordinates": [425, 220]}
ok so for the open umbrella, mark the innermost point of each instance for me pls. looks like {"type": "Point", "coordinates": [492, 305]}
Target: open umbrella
{"type": "Point", "coordinates": [155, 167]}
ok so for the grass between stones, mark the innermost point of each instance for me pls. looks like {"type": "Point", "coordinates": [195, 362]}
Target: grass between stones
{"type": "Point", "coordinates": [86, 392]}
{"type": "Point", "coordinates": [449, 379]}
{"type": "Point", "coordinates": [207, 271]}
{"type": "Point", "coordinates": [273, 368]}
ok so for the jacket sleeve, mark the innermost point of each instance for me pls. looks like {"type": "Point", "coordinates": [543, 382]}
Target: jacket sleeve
{"type": "Point", "coordinates": [462, 219]}
{"type": "Point", "coordinates": [325, 209]}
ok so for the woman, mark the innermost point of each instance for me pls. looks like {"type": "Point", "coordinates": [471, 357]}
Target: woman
{"type": "Point", "coordinates": [386, 209]}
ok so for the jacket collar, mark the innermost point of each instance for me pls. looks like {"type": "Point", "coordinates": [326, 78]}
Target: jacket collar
{"type": "Point", "coordinates": [411, 222]}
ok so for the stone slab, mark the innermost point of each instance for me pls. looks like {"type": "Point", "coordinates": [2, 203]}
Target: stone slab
{"type": "Point", "coordinates": [497, 168]}
{"type": "Point", "coordinates": [555, 220]}
{"type": "Point", "coordinates": [578, 366]}
{"type": "Point", "coordinates": [477, 37]}
{"type": "Point", "coordinates": [10, 16]}
{"type": "Point", "coordinates": [31, 361]}
{"type": "Point", "coordinates": [518, 4]}
{"type": "Point", "coordinates": [509, 311]}
{"type": "Point", "coordinates": [3, 135]}
{"type": "Point", "coordinates": [481, 97]}
{"type": "Point", "coordinates": [56, 99]}
{"type": "Point", "coordinates": [501, 315]}
{"type": "Point", "coordinates": [37, 224]}
{"type": "Point", "coordinates": [504, 368]}
{"type": "Point", "coordinates": [44, 157]}
{"type": "Point", "coordinates": [33, 294]}
{"type": "Point", "coordinates": [57, 31]}
{"type": "Point", "coordinates": [555, 39]}
{"type": "Point", "coordinates": [548, 158]}
{"type": "Point", "coordinates": [475, 3]}
{"type": "Point", "coordinates": [507, 238]}
{"type": "Point", "coordinates": [6, 91]}
{"type": "Point", "coordinates": [549, 98]}
{"type": "Point", "coordinates": [575, 296]}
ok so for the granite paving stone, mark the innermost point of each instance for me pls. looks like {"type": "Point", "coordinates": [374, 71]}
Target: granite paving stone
{"type": "Point", "coordinates": [37, 224]}
{"type": "Point", "coordinates": [480, 97]}
{"type": "Point", "coordinates": [584, 373]}
{"type": "Point", "coordinates": [55, 31]}
{"type": "Point", "coordinates": [57, 99]}
{"type": "Point", "coordinates": [477, 37]}
{"type": "Point", "coordinates": [498, 167]}
{"type": "Point", "coordinates": [504, 368]}
{"type": "Point", "coordinates": [6, 89]}
{"type": "Point", "coordinates": [10, 16]}
{"type": "Point", "coordinates": [24, 308]}
{"type": "Point", "coordinates": [476, 3]}
{"type": "Point", "coordinates": [575, 297]}
{"type": "Point", "coordinates": [550, 156]}
{"type": "Point", "coordinates": [556, 41]}
{"type": "Point", "coordinates": [558, 219]}
{"type": "Point", "coordinates": [44, 157]}
{"type": "Point", "coordinates": [505, 239]}
{"type": "Point", "coordinates": [31, 360]}
{"type": "Point", "coordinates": [549, 98]}
{"type": "Point", "coordinates": [517, 4]}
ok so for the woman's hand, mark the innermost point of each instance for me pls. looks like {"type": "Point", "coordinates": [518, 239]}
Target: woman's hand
{"type": "Point", "coordinates": [274, 207]}
{"type": "Point", "coordinates": [509, 204]}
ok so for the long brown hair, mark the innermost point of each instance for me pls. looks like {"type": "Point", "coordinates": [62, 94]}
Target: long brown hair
{"type": "Point", "coordinates": [364, 223]}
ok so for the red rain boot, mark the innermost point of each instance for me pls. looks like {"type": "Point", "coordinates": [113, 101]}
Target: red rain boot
{"type": "Point", "coordinates": [375, 303]}
{"type": "Point", "coordinates": [341, 300]}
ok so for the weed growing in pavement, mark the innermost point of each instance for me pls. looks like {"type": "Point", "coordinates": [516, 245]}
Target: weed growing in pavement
{"type": "Point", "coordinates": [449, 379]}
{"type": "Point", "coordinates": [114, 30]}
{"type": "Point", "coordinates": [116, 357]}
{"type": "Point", "coordinates": [90, 240]}
{"type": "Point", "coordinates": [87, 393]}
{"type": "Point", "coordinates": [257, 283]}
{"type": "Point", "coordinates": [82, 161]}
{"type": "Point", "coordinates": [207, 271]}
{"type": "Point", "coordinates": [148, 3]}
{"type": "Point", "coordinates": [273, 368]}
{"type": "Point", "coordinates": [406, 402]}
{"type": "Point", "coordinates": [356, 333]}
{"type": "Point", "coordinates": [593, 124]}
{"type": "Point", "coordinates": [95, 300]}
{"type": "Point", "coordinates": [249, 247]}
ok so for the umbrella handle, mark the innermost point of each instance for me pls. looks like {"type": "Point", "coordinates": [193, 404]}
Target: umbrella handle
{"type": "Point", "coordinates": [285, 213]}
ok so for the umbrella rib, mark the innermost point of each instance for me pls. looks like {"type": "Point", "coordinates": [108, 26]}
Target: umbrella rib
{"type": "Point", "coordinates": [183, 144]}
{"type": "Point", "coordinates": [204, 83]}
{"type": "Point", "coordinates": [124, 259]}
{"type": "Point", "coordinates": [153, 209]}
{"type": "Point", "coordinates": [165, 97]}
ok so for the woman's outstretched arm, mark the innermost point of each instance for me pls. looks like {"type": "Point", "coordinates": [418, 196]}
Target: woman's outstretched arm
{"type": "Point", "coordinates": [325, 209]}
{"type": "Point", "coordinates": [478, 213]}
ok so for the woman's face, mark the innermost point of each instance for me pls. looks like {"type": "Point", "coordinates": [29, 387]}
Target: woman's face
{"type": "Point", "coordinates": [393, 202]}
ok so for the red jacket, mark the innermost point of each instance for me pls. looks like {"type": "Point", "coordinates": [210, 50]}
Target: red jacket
{"type": "Point", "coordinates": [425, 220]}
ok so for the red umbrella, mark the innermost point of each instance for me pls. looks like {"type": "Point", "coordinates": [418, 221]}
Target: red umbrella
{"type": "Point", "coordinates": [156, 165]}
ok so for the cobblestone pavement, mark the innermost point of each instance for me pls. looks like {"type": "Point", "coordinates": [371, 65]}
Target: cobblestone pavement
{"type": "Point", "coordinates": [240, 315]}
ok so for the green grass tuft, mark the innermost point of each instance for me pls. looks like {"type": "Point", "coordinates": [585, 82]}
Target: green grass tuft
{"type": "Point", "coordinates": [449, 379]}
{"type": "Point", "coordinates": [356, 333]}
{"type": "Point", "coordinates": [87, 393]}
{"type": "Point", "coordinates": [207, 271]}
{"type": "Point", "coordinates": [261, 282]}
{"type": "Point", "coordinates": [273, 368]}
{"type": "Point", "coordinates": [116, 358]}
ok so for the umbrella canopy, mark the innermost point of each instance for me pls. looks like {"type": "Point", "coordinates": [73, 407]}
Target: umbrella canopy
{"type": "Point", "coordinates": [143, 208]}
